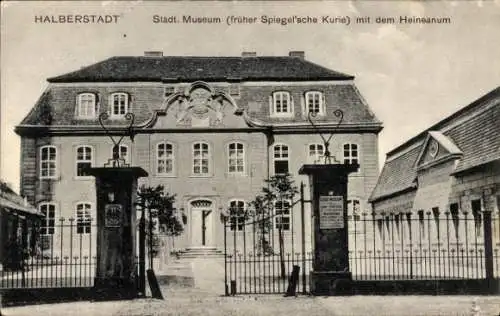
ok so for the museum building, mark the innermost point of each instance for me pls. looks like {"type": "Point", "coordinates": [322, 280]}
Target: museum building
{"type": "Point", "coordinates": [209, 129]}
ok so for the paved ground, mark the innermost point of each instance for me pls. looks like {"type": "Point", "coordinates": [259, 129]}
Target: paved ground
{"type": "Point", "coordinates": [185, 301]}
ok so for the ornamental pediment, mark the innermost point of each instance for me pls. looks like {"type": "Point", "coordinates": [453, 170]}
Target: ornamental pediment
{"type": "Point", "coordinates": [437, 148]}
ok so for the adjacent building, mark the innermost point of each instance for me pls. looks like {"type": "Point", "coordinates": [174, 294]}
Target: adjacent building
{"type": "Point", "coordinates": [210, 129]}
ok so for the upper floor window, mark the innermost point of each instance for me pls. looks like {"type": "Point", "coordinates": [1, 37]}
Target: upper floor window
{"type": "Point", "coordinates": [86, 105]}
{"type": "Point", "coordinates": [316, 153]}
{"type": "Point", "coordinates": [280, 159]}
{"type": "Point", "coordinates": [236, 156]}
{"type": "Point", "coordinates": [282, 209]}
{"type": "Point", "coordinates": [48, 162]}
{"type": "Point", "coordinates": [164, 158]}
{"type": "Point", "coordinates": [123, 153]}
{"type": "Point", "coordinates": [281, 104]}
{"type": "Point", "coordinates": [351, 153]}
{"type": "Point", "coordinates": [119, 104]}
{"type": "Point", "coordinates": [83, 218]}
{"type": "Point", "coordinates": [83, 160]}
{"type": "Point", "coordinates": [237, 215]}
{"type": "Point", "coordinates": [201, 158]}
{"type": "Point", "coordinates": [48, 223]}
{"type": "Point", "coordinates": [314, 102]}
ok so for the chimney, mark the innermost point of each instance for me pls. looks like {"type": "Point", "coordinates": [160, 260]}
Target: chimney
{"type": "Point", "coordinates": [153, 53]}
{"type": "Point", "coordinates": [297, 53]}
{"type": "Point", "coordinates": [248, 54]}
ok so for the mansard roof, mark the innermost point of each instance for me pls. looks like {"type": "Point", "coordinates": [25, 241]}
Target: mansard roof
{"type": "Point", "coordinates": [473, 131]}
{"type": "Point", "coordinates": [187, 68]}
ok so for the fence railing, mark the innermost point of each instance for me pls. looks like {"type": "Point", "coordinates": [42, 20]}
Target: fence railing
{"type": "Point", "coordinates": [54, 253]}
{"type": "Point", "coordinates": [427, 245]}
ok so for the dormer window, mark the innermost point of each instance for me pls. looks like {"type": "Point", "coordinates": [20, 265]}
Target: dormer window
{"type": "Point", "coordinates": [314, 102]}
{"type": "Point", "coordinates": [281, 104]}
{"type": "Point", "coordinates": [119, 104]}
{"type": "Point", "coordinates": [86, 105]}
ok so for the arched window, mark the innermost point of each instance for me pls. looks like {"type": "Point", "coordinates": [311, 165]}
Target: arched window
{"type": "Point", "coordinates": [83, 160]}
{"type": "Point", "coordinates": [280, 157]}
{"type": "Point", "coordinates": [164, 158]}
{"type": "Point", "coordinates": [201, 158]}
{"type": "Point", "coordinates": [83, 218]}
{"type": "Point", "coordinates": [86, 105]}
{"type": "Point", "coordinates": [236, 157]}
{"type": "Point", "coordinates": [119, 104]}
{"type": "Point", "coordinates": [48, 162]}
{"type": "Point", "coordinates": [237, 215]}
{"type": "Point", "coordinates": [314, 102]}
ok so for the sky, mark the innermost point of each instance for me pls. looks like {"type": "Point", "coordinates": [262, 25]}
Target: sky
{"type": "Point", "coordinates": [411, 75]}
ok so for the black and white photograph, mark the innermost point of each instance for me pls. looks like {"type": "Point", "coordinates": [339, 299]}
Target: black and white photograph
{"type": "Point", "coordinates": [250, 158]}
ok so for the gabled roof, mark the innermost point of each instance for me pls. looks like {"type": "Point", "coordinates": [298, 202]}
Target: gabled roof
{"type": "Point", "coordinates": [182, 68]}
{"type": "Point", "coordinates": [472, 132]}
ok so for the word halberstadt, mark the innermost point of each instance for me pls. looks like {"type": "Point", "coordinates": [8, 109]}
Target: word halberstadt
{"type": "Point", "coordinates": [77, 19]}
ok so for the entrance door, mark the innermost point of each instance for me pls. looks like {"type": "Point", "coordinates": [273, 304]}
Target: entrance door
{"type": "Point", "coordinates": [201, 223]}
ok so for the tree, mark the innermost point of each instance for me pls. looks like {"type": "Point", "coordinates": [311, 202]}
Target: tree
{"type": "Point", "coordinates": [279, 190]}
{"type": "Point", "coordinates": [159, 205]}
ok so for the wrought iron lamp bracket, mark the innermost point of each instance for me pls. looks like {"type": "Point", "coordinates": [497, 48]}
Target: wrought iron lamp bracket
{"type": "Point", "coordinates": [116, 161]}
{"type": "Point", "coordinates": [326, 141]}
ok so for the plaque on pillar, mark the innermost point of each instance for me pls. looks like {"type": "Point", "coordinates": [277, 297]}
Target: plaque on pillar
{"type": "Point", "coordinates": [328, 184]}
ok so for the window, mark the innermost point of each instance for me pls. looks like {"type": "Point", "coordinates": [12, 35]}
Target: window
{"type": "Point", "coordinates": [83, 160]}
{"type": "Point", "coordinates": [119, 104]}
{"type": "Point", "coordinates": [280, 159]}
{"type": "Point", "coordinates": [234, 90]}
{"type": "Point", "coordinates": [354, 209]}
{"type": "Point", "coordinates": [282, 209]}
{"type": "Point", "coordinates": [237, 215]}
{"type": "Point", "coordinates": [164, 158]}
{"type": "Point", "coordinates": [454, 217]}
{"type": "Point", "coordinates": [123, 153]}
{"type": "Point", "coordinates": [236, 154]}
{"type": "Point", "coordinates": [83, 221]}
{"type": "Point", "coordinates": [281, 104]}
{"type": "Point", "coordinates": [314, 102]}
{"type": "Point", "coordinates": [48, 159]}
{"type": "Point", "coordinates": [477, 214]}
{"type": "Point", "coordinates": [48, 223]}
{"type": "Point", "coordinates": [169, 90]}
{"type": "Point", "coordinates": [86, 105]}
{"type": "Point", "coordinates": [351, 153]}
{"type": "Point", "coordinates": [201, 158]}
{"type": "Point", "coordinates": [316, 153]}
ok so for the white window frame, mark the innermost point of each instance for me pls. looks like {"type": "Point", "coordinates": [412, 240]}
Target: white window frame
{"type": "Point", "coordinates": [279, 218]}
{"type": "Point", "coordinates": [85, 104]}
{"type": "Point", "coordinates": [239, 221]}
{"type": "Point", "coordinates": [320, 97]}
{"type": "Point", "coordinates": [312, 153]}
{"type": "Point", "coordinates": [279, 96]}
{"type": "Point", "coordinates": [48, 226]}
{"type": "Point", "coordinates": [118, 95]}
{"type": "Point", "coordinates": [127, 157]}
{"type": "Point", "coordinates": [354, 214]}
{"type": "Point", "coordinates": [51, 164]}
{"type": "Point", "coordinates": [350, 158]}
{"type": "Point", "coordinates": [77, 161]}
{"type": "Point", "coordinates": [83, 218]}
{"type": "Point", "coordinates": [198, 161]}
{"type": "Point", "coordinates": [165, 158]}
{"type": "Point", "coordinates": [239, 155]}
{"type": "Point", "coordinates": [281, 158]}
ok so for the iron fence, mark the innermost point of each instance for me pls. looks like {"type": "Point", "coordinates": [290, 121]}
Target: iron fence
{"type": "Point", "coordinates": [424, 245]}
{"type": "Point", "coordinates": [57, 254]}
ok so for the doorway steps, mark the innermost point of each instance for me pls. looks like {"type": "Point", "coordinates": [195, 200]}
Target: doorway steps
{"type": "Point", "coordinates": [201, 252]}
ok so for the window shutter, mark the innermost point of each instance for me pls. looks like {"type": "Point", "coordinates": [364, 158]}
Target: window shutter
{"type": "Point", "coordinates": [303, 105]}
{"type": "Point", "coordinates": [271, 105]}
{"type": "Point", "coordinates": [292, 104]}
{"type": "Point", "coordinates": [77, 105]}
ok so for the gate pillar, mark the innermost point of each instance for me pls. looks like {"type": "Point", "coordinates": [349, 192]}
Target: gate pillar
{"type": "Point", "coordinates": [116, 231]}
{"type": "Point", "coordinates": [328, 184]}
